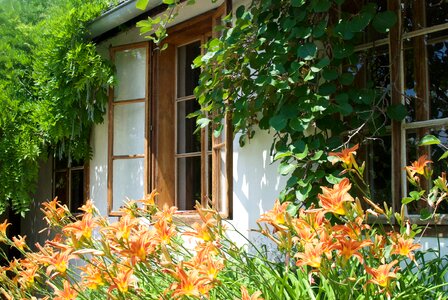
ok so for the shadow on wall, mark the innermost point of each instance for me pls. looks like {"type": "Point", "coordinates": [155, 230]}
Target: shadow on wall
{"type": "Point", "coordinates": [33, 222]}
{"type": "Point", "coordinates": [256, 184]}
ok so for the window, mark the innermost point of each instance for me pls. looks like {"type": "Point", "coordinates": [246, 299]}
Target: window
{"type": "Point", "coordinates": [70, 183]}
{"type": "Point", "coordinates": [411, 66]}
{"type": "Point", "coordinates": [190, 165]}
{"type": "Point", "coordinates": [152, 142]}
{"type": "Point", "coordinates": [128, 126]}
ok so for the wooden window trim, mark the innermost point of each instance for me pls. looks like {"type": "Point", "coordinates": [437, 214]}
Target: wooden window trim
{"type": "Point", "coordinates": [112, 104]}
{"type": "Point", "coordinates": [86, 185]}
{"type": "Point", "coordinates": [198, 28]}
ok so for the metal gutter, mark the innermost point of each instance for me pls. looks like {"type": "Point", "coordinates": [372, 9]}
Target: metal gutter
{"type": "Point", "coordinates": [118, 15]}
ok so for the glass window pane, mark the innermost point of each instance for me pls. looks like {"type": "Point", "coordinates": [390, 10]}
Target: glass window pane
{"type": "Point", "coordinates": [131, 74]}
{"type": "Point", "coordinates": [188, 140]}
{"type": "Point", "coordinates": [77, 190]}
{"type": "Point", "coordinates": [187, 78]}
{"type": "Point", "coordinates": [129, 128]}
{"type": "Point", "coordinates": [61, 186]}
{"type": "Point", "coordinates": [188, 182]}
{"type": "Point", "coordinates": [127, 181]}
{"type": "Point", "coordinates": [419, 14]}
{"type": "Point", "coordinates": [426, 77]}
{"type": "Point", "coordinates": [413, 152]}
{"type": "Point", "coordinates": [379, 169]}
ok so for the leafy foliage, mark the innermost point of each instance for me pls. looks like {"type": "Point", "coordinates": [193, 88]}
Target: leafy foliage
{"type": "Point", "coordinates": [289, 66]}
{"type": "Point", "coordinates": [52, 85]}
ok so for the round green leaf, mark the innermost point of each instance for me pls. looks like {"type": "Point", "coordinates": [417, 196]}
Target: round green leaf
{"type": "Point", "coordinates": [397, 112]}
{"type": "Point", "coordinates": [383, 21]}
{"type": "Point", "coordinates": [429, 140]}
{"type": "Point", "coordinates": [278, 122]}
{"type": "Point", "coordinates": [307, 51]}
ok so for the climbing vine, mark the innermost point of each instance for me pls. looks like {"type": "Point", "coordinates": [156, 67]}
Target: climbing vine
{"type": "Point", "coordinates": [289, 67]}
{"type": "Point", "coordinates": [52, 89]}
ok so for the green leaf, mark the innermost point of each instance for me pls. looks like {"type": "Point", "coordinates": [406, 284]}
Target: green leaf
{"type": "Point", "coordinates": [346, 78]}
{"type": "Point", "coordinates": [343, 50]}
{"type": "Point", "coordinates": [297, 3]}
{"type": "Point", "coordinates": [303, 154]}
{"type": "Point", "coordinates": [333, 179]}
{"type": "Point", "coordinates": [307, 51]}
{"type": "Point", "coordinates": [345, 109]}
{"type": "Point", "coordinates": [444, 155]}
{"type": "Point", "coordinates": [425, 214]}
{"type": "Point", "coordinates": [203, 122]}
{"type": "Point", "coordinates": [397, 112]}
{"type": "Point", "coordinates": [169, 2]}
{"type": "Point", "coordinates": [317, 155]}
{"type": "Point", "coordinates": [278, 122]}
{"type": "Point", "coordinates": [406, 200]}
{"type": "Point", "coordinates": [240, 11]}
{"type": "Point", "coordinates": [320, 5]}
{"type": "Point", "coordinates": [383, 21]}
{"type": "Point", "coordinates": [280, 155]}
{"type": "Point", "coordinates": [327, 89]}
{"type": "Point", "coordinates": [429, 140]}
{"type": "Point", "coordinates": [330, 74]}
{"type": "Point", "coordinates": [141, 4]}
{"type": "Point", "coordinates": [285, 168]}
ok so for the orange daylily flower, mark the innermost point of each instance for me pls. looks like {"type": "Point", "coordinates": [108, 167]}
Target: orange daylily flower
{"type": "Point", "coordinates": [140, 245]}
{"type": "Point", "coordinates": [245, 294]}
{"type": "Point", "coordinates": [54, 212]}
{"type": "Point", "coordinates": [58, 261]}
{"type": "Point", "coordinates": [19, 242]}
{"type": "Point", "coordinates": [276, 216]}
{"type": "Point", "coordinates": [189, 283]}
{"type": "Point", "coordinates": [166, 213]}
{"type": "Point", "coordinates": [81, 229]}
{"type": "Point", "coordinates": [333, 199]}
{"type": "Point", "coordinates": [123, 227]}
{"type": "Point", "coordinates": [418, 166]}
{"type": "Point", "coordinates": [164, 232]}
{"type": "Point", "coordinates": [345, 156]}
{"type": "Point", "coordinates": [68, 293]}
{"type": "Point", "coordinates": [3, 227]}
{"type": "Point", "coordinates": [402, 246]}
{"type": "Point", "coordinates": [88, 207]}
{"type": "Point", "coordinates": [383, 274]}
{"type": "Point", "coordinates": [312, 255]}
{"type": "Point", "coordinates": [122, 280]}
{"type": "Point", "coordinates": [348, 248]}
{"type": "Point", "coordinates": [149, 198]}
{"type": "Point", "coordinates": [27, 275]}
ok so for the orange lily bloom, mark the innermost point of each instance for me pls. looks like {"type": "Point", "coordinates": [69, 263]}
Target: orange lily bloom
{"type": "Point", "coordinates": [122, 280]}
{"type": "Point", "coordinates": [333, 199]}
{"type": "Point", "coordinates": [140, 245]}
{"type": "Point", "coordinates": [166, 213]}
{"type": "Point", "coordinates": [164, 232]}
{"type": "Point", "coordinates": [348, 248]}
{"type": "Point", "coordinates": [123, 227]}
{"type": "Point", "coordinates": [276, 216]}
{"type": "Point", "coordinates": [27, 275]}
{"type": "Point", "coordinates": [65, 294]}
{"type": "Point", "coordinates": [58, 261]}
{"type": "Point", "coordinates": [3, 227]}
{"type": "Point", "coordinates": [81, 228]}
{"type": "Point", "coordinates": [88, 207]}
{"type": "Point", "coordinates": [345, 156]}
{"type": "Point", "coordinates": [54, 212]}
{"type": "Point", "coordinates": [418, 166]}
{"type": "Point", "coordinates": [189, 283]}
{"type": "Point", "coordinates": [383, 274]}
{"type": "Point", "coordinates": [312, 255]}
{"type": "Point", "coordinates": [404, 247]}
{"type": "Point", "coordinates": [245, 294]}
{"type": "Point", "coordinates": [19, 242]}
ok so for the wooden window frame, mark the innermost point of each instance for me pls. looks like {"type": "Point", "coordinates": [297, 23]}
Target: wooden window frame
{"type": "Point", "coordinates": [195, 29]}
{"type": "Point", "coordinates": [398, 129]}
{"type": "Point", "coordinates": [68, 170]}
{"type": "Point", "coordinates": [112, 104]}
